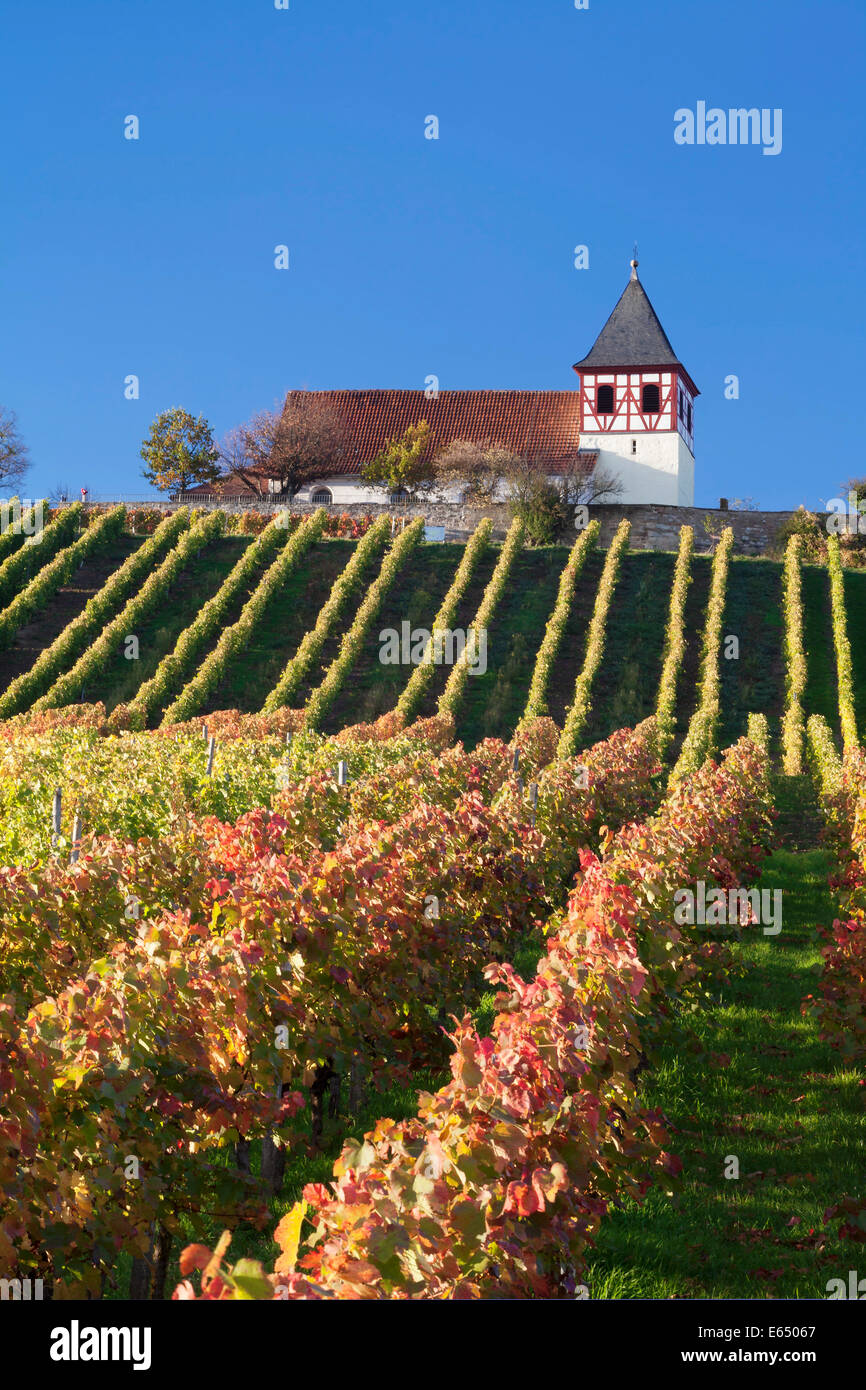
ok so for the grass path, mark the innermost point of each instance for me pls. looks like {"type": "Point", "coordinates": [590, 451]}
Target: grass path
{"type": "Point", "coordinates": [754, 1081]}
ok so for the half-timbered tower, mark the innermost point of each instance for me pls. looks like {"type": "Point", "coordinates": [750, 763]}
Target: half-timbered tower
{"type": "Point", "coordinates": [637, 404]}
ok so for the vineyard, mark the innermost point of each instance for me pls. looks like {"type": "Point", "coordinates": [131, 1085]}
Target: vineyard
{"type": "Point", "coordinates": [328, 978]}
{"type": "Point", "coordinates": [167, 620]}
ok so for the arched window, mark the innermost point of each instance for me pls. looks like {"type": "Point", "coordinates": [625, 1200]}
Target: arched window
{"type": "Point", "coordinates": [604, 401]}
{"type": "Point", "coordinates": [322, 497]}
{"type": "Point", "coordinates": [398, 496]}
{"type": "Point", "coordinates": [650, 399]}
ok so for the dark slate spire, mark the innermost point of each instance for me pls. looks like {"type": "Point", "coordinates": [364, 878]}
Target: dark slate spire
{"type": "Point", "coordinates": [632, 336]}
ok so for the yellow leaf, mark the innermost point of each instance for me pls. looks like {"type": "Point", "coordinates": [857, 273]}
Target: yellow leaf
{"type": "Point", "coordinates": [288, 1238]}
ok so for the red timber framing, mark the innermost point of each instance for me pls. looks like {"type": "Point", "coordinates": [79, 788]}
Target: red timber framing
{"type": "Point", "coordinates": [628, 415]}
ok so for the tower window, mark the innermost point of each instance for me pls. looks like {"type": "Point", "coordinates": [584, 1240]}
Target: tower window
{"type": "Point", "coordinates": [689, 416]}
{"type": "Point", "coordinates": [604, 400]}
{"type": "Point", "coordinates": [633, 447]}
{"type": "Point", "coordinates": [650, 399]}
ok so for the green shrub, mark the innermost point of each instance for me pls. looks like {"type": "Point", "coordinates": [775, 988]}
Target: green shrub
{"type": "Point", "coordinates": [301, 664]}
{"type": "Point", "coordinates": [42, 588]}
{"type": "Point", "coordinates": [12, 540]}
{"type": "Point", "coordinates": [844, 673]}
{"type": "Point", "coordinates": [536, 703]}
{"type": "Point", "coordinates": [451, 696]}
{"type": "Point", "coordinates": [68, 645]}
{"type": "Point", "coordinates": [421, 677]}
{"type": "Point", "coordinates": [540, 508]}
{"type": "Point", "coordinates": [176, 667]}
{"type": "Point", "coordinates": [353, 641]}
{"type": "Point", "coordinates": [813, 537]}
{"type": "Point", "coordinates": [700, 739]}
{"type": "Point", "coordinates": [98, 656]}
{"type": "Point", "coordinates": [235, 638]}
{"type": "Point", "coordinates": [20, 567]}
{"type": "Point", "coordinates": [578, 715]}
{"type": "Point", "coordinates": [675, 642]}
{"type": "Point", "coordinates": [793, 724]}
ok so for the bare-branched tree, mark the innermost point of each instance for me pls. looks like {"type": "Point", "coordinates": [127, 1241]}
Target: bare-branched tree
{"type": "Point", "coordinates": [234, 455]}
{"type": "Point", "coordinates": [281, 450]}
{"type": "Point", "coordinates": [478, 469]}
{"type": "Point", "coordinates": [547, 502]}
{"type": "Point", "coordinates": [579, 488]}
{"type": "Point", "coordinates": [14, 454]}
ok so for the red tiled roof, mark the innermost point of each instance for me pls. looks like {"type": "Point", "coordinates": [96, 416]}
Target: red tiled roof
{"type": "Point", "coordinates": [544, 425]}
{"type": "Point", "coordinates": [587, 459]}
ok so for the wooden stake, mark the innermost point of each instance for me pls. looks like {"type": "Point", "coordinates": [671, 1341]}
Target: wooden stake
{"type": "Point", "coordinates": [56, 813]}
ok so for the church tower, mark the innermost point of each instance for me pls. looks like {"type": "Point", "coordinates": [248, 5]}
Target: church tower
{"type": "Point", "coordinates": [637, 404]}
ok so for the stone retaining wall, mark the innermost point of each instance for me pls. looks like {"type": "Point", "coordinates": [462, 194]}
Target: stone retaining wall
{"type": "Point", "coordinates": [652, 527]}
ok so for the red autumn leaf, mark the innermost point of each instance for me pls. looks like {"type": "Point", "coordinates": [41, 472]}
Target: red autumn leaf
{"type": "Point", "coordinates": [194, 1257]}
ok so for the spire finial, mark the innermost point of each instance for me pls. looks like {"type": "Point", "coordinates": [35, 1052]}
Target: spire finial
{"type": "Point", "coordinates": [635, 263]}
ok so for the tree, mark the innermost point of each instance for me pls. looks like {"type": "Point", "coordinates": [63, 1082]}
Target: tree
{"type": "Point", "coordinates": [812, 530]}
{"type": "Point", "coordinates": [233, 452]}
{"type": "Point", "coordinates": [404, 463]}
{"type": "Point", "coordinates": [532, 497]}
{"type": "Point", "coordinates": [14, 454]}
{"type": "Point", "coordinates": [289, 446]}
{"type": "Point", "coordinates": [578, 487]}
{"type": "Point", "coordinates": [477, 468]}
{"type": "Point", "coordinates": [179, 452]}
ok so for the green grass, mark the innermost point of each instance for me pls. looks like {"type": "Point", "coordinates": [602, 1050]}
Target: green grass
{"type": "Point", "coordinates": [757, 1083]}
{"type": "Point", "coordinates": [627, 681]}
{"type": "Point", "coordinates": [494, 702]}
{"type": "Point", "coordinates": [65, 606]}
{"type": "Point", "coordinates": [466, 611]}
{"type": "Point", "coordinates": [694, 621]}
{"type": "Point", "coordinates": [754, 682]}
{"type": "Point", "coordinates": [855, 608]}
{"type": "Point", "coordinates": [290, 614]}
{"type": "Point", "coordinates": [626, 685]}
{"type": "Point", "coordinates": [415, 598]}
{"type": "Point", "coordinates": [570, 657]}
{"type": "Point", "coordinates": [157, 636]}
{"type": "Point", "coordinates": [821, 695]}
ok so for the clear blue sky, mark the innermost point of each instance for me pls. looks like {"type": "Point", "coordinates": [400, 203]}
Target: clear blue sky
{"type": "Point", "coordinates": [412, 256]}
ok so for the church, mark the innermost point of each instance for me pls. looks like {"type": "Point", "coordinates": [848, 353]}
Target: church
{"type": "Point", "coordinates": [632, 416]}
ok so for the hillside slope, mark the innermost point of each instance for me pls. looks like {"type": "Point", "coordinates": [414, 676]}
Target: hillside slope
{"type": "Point", "coordinates": [625, 688]}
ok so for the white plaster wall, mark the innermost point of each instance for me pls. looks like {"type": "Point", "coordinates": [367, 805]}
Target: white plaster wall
{"type": "Point", "coordinates": [349, 488]}
{"type": "Point", "coordinates": [663, 471]}
{"type": "Point", "coordinates": [686, 474]}
{"type": "Point", "coordinates": [653, 474]}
